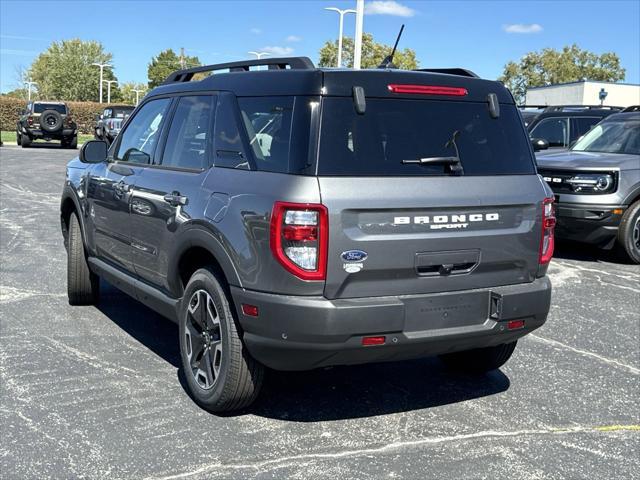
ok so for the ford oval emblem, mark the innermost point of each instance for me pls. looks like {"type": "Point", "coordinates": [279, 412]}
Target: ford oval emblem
{"type": "Point", "coordinates": [354, 256]}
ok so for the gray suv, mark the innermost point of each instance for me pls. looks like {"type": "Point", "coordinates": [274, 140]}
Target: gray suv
{"type": "Point", "coordinates": [597, 185]}
{"type": "Point", "coordinates": [294, 217]}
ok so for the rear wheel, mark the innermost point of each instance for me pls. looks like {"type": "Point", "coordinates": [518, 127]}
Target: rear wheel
{"type": "Point", "coordinates": [25, 140]}
{"type": "Point", "coordinates": [18, 138]}
{"type": "Point", "coordinates": [479, 360]}
{"type": "Point", "coordinates": [83, 286]}
{"type": "Point", "coordinates": [629, 232]}
{"type": "Point", "coordinates": [220, 372]}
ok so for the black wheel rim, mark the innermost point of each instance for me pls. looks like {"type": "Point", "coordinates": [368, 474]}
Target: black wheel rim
{"type": "Point", "coordinates": [635, 234]}
{"type": "Point", "coordinates": [203, 340]}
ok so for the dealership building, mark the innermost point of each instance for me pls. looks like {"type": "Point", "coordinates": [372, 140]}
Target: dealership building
{"type": "Point", "coordinates": [585, 93]}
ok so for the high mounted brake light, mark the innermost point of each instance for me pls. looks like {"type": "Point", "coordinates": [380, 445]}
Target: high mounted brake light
{"type": "Point", "coordinates": [547, 240]}
{"type": "Point", "coordinates": [428, 90]}
{"type": "Point", "coordinates": [299, 238]}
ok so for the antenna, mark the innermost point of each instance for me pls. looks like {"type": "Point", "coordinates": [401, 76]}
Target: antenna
{"type": "Point", "coordinates": [388, 61]}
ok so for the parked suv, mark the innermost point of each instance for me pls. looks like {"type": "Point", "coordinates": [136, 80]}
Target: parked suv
{"type": "Point", "coordinates": [296, 217]}
{"type": "Point", "coordinates": [110, 121]}
{"type": "Point", "coordinates": [46, 121]}
{"type": "Point", "coordinates": [556, 128]}
{"type": "Point", "coordinates": [597, 185]}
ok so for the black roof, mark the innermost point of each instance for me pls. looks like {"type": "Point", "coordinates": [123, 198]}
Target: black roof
{"type": "Point", "coordinates": [298, 76]}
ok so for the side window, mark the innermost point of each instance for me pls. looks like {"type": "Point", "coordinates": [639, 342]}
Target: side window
{"type": "Point", "coordinates": [139, 139]}
{"type": "Point", "coordinates": [582, 125]}
{"type": "Point", "coordinates": [187, 142]}
{"type": "Point", "coordinates": [268, 124]}
{"type": "Point", "coordinates": [553, 130]}
{"type": "Point", "coordinates": [228, 145]}
{"type": "Point", "coordinates": [106, 113]}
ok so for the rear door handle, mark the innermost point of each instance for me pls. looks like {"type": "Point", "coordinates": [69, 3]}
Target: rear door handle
{"type": "Point", "coordinates": [174, 199]}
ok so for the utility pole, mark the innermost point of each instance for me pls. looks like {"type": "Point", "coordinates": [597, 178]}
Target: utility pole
{"type": "Point", "coordinates": [102, 67]}
{"type": "Point", "coordinates": [138, 92]}
{"type": "Point", "coordinates": [182, 59]}
{"type": "Point", "coordinates": [29, 83]}
{"type": "Point", "coordinates": [342, 13]}
{"type": "Point", "coordinates": [109, 82]}
{"type": "Point", "coordinates": [259, 55]}
{"type": "Point", "coordinates": [357, 45]}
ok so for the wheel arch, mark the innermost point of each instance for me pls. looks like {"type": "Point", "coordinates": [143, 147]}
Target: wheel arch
{"type": "Point", "coordinates": [68, 205]}
{"type": "Point", "coordinates": [633, 196]}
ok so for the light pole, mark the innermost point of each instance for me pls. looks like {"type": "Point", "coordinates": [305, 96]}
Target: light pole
{"type": "Point", "coordinates": [357, 43]}
{"type": "Point", "coordinates": [137, 95]}
{"type": "Point", "coordinates": [102, 67]}
{"type": "Point", "coordinates": [259, 55]}
{"type": "Point", "coordinates": [109, 82]}
{"type": "Point", "coordinates": [28, 84]}
{"type": "Point", "coordinates": [342, 13]}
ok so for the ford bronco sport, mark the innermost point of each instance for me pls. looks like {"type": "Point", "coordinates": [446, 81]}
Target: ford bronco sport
{"type": "Point", "coordinates": [110, 121]}
{"type": "Point", "coordinates": [295, 217]}
{"type": "Point", "coordinates": [46, 121]}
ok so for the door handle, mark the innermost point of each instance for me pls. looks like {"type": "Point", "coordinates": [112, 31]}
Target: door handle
{"type": "Point", "coordinates": [122, 187]}
{"type": "Point", "coordinates": [175, 199]}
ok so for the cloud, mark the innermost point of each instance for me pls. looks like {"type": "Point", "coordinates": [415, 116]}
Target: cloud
{"type": "Point", "coordinates": [522, 28]}
{"type": "Point", "coordinates": [293, 38]}
{"type": "Point", "coordinates": [256, 31]}
{"type": "Point", "coordinates": [19, 37]}
{"type": "Point", "coordinates": [11, 51]}
{"type": "Point", "coordinates": [278, 51]}
{"type": "Point", "coordinates": [388, 7]}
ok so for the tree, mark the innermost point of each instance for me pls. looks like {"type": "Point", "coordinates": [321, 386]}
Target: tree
{"type": "Point", "coordinates": [550, 66]}
{"type": "Point", "coordinates": [128, 94]}
{"type": "Point", "coordinates": [372, 54]}
{"type": "Point", "coordinates": [167, 62]}
{"type": "Point", "coordinates": [65, 71]}
{"type": "Point", "coordinates": [21, 93]}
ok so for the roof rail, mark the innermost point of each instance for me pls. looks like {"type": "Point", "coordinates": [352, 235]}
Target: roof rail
{"type": "Point", "coordinates": [561, 108]}
{"type": "Point", "coordinates": [632, 108]}
{"type": "Point", "coordinates": [294, 63]}
{"type": "Point", "coordinates": [449, 71]}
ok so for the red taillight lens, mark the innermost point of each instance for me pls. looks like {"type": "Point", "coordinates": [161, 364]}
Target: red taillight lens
{"type": "Point", "coordinates": [547, 241]}
{"type": "Point", "coordinates": [30, 120]}
{"type": "Point", "coordinates": [299, 238]}
{"type": "Point", "coordinates": [515, 324]}
{"type": "Point", "coordinates": [428, 90]}
{"type": "Point", "coordinates": [69, 120]}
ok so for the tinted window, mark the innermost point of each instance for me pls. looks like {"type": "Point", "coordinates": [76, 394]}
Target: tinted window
{"type": "Point", "coordinates": [187, 142]}
{"type": "Point", "coordinates": [391, 131]}
{"type": "Point", "coordinates": [41, 107]}
{"type": "Point", "coordinates": [120, 112]}
{"type": "Point", "coordinates": [229, 146]}
{"type": "Point", "coordinates": [139, 139]}
{"type": "Point", "coordinates": [582, 125]}
{"type": "Point", "coordinates": [612, 137]}
{"type": "Point", "coordinates": [553, 130]}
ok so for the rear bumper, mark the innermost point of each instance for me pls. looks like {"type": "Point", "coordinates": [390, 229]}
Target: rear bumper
{"type": "Point", "coordinates": [594, 224]}
{"type": "Point", "coordinates": [37, 133]}
{"type": "Point", "coordinates": [302, 333]}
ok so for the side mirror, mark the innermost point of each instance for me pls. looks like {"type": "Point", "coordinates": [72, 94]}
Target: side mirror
{"type": "Point", "coordinates": [94, 151]}
{"type": "Point", "coordinates": [539, 144]}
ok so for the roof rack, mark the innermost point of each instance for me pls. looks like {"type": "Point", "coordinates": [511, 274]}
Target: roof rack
{"type": "Point", "coordinates": [632, 108]}
{"type": "Point", "coordinates": [449, 71]}
{"type": "Point", "coordinates": [562, 108]}
{"type": "Point", "coordinates": [294, 63]}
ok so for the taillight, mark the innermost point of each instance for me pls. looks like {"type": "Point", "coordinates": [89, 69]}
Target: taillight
{"type": "Point", "coordinates": [428, 90]}
{"type": "Point", "coordinates": [299, 238]}
{"type": "Point", "coordinates": [30, 120]}
{"type": "Point", "coordinates": [547, 240]}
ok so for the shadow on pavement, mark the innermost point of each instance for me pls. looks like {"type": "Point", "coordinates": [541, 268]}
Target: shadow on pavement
{"type": "Point", "coordinates": [318, 395]}
{"type": "Point", "coordinates": [586, 253]}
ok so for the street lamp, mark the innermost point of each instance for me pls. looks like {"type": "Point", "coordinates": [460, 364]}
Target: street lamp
{"type": "Point", "coordinates": [28, 84]}
{"type": "Point", "coordinates": [138, 92]}
{"type": "Point", "coordinates": [259, 55]}
{"type": "Point", "coordinates": [357, 41]}
{"type": "Point", "coordinates": [342, 13]}
{"type": "Point", "coordinates": [109, 82]}
{"type": "Point", "coordinates": [102, 67]}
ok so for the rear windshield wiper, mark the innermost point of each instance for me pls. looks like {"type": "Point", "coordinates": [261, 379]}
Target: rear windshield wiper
{"type": "Point", "coordinates": [453, 163]}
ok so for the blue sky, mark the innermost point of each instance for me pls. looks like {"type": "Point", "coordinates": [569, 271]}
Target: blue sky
{"type": "Point", "coordinates": [474, 34]}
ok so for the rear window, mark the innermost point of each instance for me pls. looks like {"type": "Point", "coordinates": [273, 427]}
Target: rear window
{"type": "Point", "coordinates": [41, 107]}
{"type": "Point", "coordinates": [393, 130]}
{"type": "Point", "coordinates": [121, 112]}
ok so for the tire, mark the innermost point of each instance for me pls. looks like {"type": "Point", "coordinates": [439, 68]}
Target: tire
{"type": "Point", "coordinates": [18, 138]}
{"type": "Point", "coordinates": [479, 360]}
{"type": "Point", "coordinates": [83, 286]}
{"type": "Point", "coordinates": [220, 373]}
{"type": "Point", "coordinates": [50, 121]}
{"type": "Point", "coordinates": [629, 233]}
{"type": "Point", "coordinates": [25, 141]}
{"type": "Point", "coordinates": [69, 143]}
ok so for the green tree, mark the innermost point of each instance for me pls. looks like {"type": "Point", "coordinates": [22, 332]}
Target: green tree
{"type": "Point", "coordinates": [65, 71]}
{"type": "Point", "coordinates": [550, 66]}
{"type": "Point", "coordinates": [372, 54]}
{"type": "Point", "coordinates": [21, 93]}
{"type": "Point", "coordinates": [128, 94]}
{"type": "Point", "coordinates": [167, 62]}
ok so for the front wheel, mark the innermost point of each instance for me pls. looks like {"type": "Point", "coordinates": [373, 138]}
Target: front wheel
{"type": "Point", "coordinates": [479, 360]}
{"type": "Point", "coordinates": [83, 286]}
{"type": "Point", "coordinates": [629, 232]}
{"type": "Point", "coordinates": [25, 141]}
{"type": "Point", "coordinates": [220, 372]}
{"type": "Point", "coordinates": [18, 138]}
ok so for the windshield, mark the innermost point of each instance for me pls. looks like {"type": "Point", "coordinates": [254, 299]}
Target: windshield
{"type": "Point", "coordinates": [614, 136]}
{"type": "Point", "coordinates": [120, 112]}
{"type": "Point", "coordinates": [392, 131]}
{"type": "Point", "coordinates": [41, 107]}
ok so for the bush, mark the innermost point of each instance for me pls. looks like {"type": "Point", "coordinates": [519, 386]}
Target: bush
{"type": "Point", "coordinates": [83, 113]}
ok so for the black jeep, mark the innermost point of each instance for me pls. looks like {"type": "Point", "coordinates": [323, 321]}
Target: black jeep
{"type": "Point", "coordinates": [46, 121]}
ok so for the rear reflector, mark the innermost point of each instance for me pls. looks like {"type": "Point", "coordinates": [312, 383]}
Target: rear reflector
{"type": "Point", "coordinates": [515, 324]}
{"type": "Point", "coordinates": [368, 341]}
{"type": "Point", "coordinates": [250, 310]}
{"type": "Point", "coordinates": [428, 90]}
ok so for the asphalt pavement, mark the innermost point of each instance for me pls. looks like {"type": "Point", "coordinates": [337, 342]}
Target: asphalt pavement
{"type": "Point", "coordinates": [97, 392]}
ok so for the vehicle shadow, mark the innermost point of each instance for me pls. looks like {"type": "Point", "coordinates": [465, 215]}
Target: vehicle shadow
{"type": "Point", "coordinates": [568, 250]}
{"type": "Point", "coordinates": [318, 395]}
{"type": "Point", "coordinates": [46, 145]}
